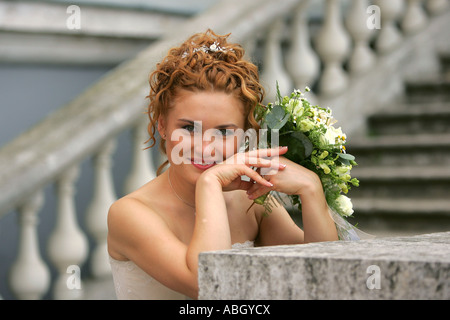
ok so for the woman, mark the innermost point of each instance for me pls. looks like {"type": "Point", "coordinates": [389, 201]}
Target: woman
{"type": "Point", "coordinates": [202, 99]}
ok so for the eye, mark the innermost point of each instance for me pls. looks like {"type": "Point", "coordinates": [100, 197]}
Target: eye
{"type": "Point", "coordinates": [225, 132]}
{"type": "Point", "coordinates": [189, 128]}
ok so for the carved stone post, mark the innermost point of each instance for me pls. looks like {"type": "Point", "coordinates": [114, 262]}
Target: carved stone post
{"type": "Point", "coordinates": [362, 58]}
{"type": "Point", "coordinates": [142, 168]}
{"type": "Point", "coordinates": [29, 277]}
{"type": "Point", "coordinates": [333, 46]}
{"type": "Point", "coordinates": [273, 69]}
{"type": "Point", "coordinates": [97, 212]}
{"type": "Point", "coordinates": [68, 245]}
{"type": "Point", "coordinates": [303, 62]}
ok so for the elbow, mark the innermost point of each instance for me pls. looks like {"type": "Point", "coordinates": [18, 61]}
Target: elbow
{"type": "Point", "coordinates": [193, 293]}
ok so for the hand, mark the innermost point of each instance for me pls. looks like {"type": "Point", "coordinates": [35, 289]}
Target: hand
{"type": "Point", "coordinates": [293, 179]}
{"type": "Point", "coordinates": [229, 172]}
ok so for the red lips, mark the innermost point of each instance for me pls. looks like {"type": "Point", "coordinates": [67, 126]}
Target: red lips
{"type": "Point", "coordinates": [202, 166]}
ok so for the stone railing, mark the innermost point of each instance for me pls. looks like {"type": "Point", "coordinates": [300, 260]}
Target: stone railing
{"type": "Point", "coordinates": [416, 267]}
{"type": "Point", "coordinates": [51, 152]}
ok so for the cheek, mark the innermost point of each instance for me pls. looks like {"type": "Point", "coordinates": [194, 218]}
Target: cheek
{"type": "Point", "coordinates": [178, 146]}
{"type": "Point", "coordinates": [231, 146]}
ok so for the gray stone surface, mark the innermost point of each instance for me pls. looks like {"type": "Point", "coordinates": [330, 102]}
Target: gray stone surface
{"type": "Point", "coordinates": [415, 267]}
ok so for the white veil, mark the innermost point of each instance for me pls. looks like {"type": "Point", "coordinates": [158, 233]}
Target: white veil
{"type": "Point", "coordinates": [347, 231]}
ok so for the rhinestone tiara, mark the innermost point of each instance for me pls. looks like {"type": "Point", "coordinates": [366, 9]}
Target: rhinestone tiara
{"type": "Point", "coordinates": [215, 47]}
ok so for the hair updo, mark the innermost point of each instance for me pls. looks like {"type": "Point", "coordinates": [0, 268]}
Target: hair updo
{"type": "Point", "coordinates": [205, 61]}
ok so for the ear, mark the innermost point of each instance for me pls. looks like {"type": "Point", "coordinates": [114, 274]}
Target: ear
{"type": "Point", "coordinates": [162, 126]}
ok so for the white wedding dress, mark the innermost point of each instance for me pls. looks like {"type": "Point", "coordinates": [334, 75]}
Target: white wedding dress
{"type": "Point", "coordinates": [133, 283]}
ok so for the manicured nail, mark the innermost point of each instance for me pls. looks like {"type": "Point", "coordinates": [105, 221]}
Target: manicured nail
{"type": "Point", "coordinates": [282, 166]}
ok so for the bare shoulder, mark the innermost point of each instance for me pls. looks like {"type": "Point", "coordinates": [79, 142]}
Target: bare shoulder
{"type": "Point", "coordinates": [129, 221]}
{"type": "Point", "coordinates": [124, 209]}
{"type": "Point", "coordinates": [134, 207]}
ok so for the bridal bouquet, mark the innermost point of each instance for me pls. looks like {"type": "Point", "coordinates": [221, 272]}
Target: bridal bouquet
{"type": "Point", "coordinates": [313, 142]}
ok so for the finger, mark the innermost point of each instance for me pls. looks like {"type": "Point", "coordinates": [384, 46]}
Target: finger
{"type": "Point", "coordinates": [258, 170]}
{"type": "Point", "coordinates": [258, 162]}
{"type": "Point", "coordinates": [245, 185]}
{"type": "Point", "coordinates": [253, 175]}
{"type": "Point", "coordinates": [270, 171]}
{"type": "Point", "coordinates": [267, 165]}
{"type": "Point", "coordinates": [271, 152]}
{"type": "Point", "coordinates": [253, 188]}
{"type": "Point", "coordinates": [258, 191]}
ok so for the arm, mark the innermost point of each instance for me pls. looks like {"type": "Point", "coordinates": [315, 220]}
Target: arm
{"type": "Point", "coordinates": [212, 230]}
{"type": "Point", "coordinates": [139, 234]}
{"type": "Point", "coordinates": [317, 222]}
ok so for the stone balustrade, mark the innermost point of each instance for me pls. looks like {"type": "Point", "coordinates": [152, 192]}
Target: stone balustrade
{"type": "Point", "coordinates": [51, 152]}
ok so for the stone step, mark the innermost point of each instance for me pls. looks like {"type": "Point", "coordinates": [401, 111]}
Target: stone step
{"type": "Point", "coordinates": [401, 150]}
{"type": "Point", "coordinates": [426, 119]}
{"type": "Point", "coordinates": [402, 206]}
{"type": "Point", "coordinates": [428, 90]}
{"type": "Point", "coordinates": [445, 63]}
{"type": "Point", "coordinates": [377, 215]}
{"type": "Point", "coordinates": [402, 182]}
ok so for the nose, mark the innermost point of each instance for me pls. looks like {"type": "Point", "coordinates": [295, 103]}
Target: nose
{"type": "Point", "coordinates": [206, 149]}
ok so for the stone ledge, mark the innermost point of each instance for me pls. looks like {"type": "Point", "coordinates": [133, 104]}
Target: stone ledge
{"type": "Point", "coordinates": [415, 267]}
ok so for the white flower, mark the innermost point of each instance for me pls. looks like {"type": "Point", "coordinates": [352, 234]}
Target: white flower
{"type": "Point", "coordinates": [345, 204]}
{"type": "Point", "coordinates": [341, 170]}
{"type": "Point", "coordinates": [295, 107]}
{"type": "Point", "coordinates": [333, 135]}
{"type": "Point", "coordinates": [306, 125]}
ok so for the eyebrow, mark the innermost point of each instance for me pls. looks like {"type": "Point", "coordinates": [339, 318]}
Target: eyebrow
{"type": "Point", "coordinates": [222, 126]}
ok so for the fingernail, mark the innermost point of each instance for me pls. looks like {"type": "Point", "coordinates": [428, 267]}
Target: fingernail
{"type": "Point", "coordinates": [282, 166]}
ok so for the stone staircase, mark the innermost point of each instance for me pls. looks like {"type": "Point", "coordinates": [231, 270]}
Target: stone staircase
{"type": "Point", "coordinates": [404, 162]}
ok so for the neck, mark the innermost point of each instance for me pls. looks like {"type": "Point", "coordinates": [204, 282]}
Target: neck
{"type": "Point", "coordinates": [183, 191]}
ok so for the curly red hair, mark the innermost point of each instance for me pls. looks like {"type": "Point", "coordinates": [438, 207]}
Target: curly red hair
{"type": "Point", "coordinates": [189, 68]}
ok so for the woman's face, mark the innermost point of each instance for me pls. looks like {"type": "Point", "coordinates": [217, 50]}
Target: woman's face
{"type": "Point", "coordinates": [201, 129]}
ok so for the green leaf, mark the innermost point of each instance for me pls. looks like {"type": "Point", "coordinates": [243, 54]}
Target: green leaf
{"type": "Point", "coordinates": [299, 146]}
{"type": "Point", "coordinates": [277, 117]}
{"type": "Point", "coordinates": [346, 156]}
{"type": "Point", "coordinates": [279, 98]}
{"type": "Point", "coordinates": [261, 199]}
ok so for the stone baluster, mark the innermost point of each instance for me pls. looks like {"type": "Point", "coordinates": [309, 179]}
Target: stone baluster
{"type": "Point", "coordinates": [273, 66]}
{"type": "Point", "coordinates": [142, 168]}
{"type": "Point", "coordinates": [362, 58]}
{"type": "Point", "coordinates": [97, 212]}
{"type": "Point", "coordinates": [333, 45]}
{"type": "Point", "coordinates": [428, 63]}
{"type": "Point", "coordinates": [68, 245]}
{"type": "Point", "coordinates": [29, 277]}
{"type": "Point", "coordinates": [435, 7]}
{"type": "Point", "coordinates": [250, 45]}
{"type": "Point", "coordinates": [415, 17]}
{"type": "Point", "coordinates": [303, 62]}
{"type": "Point", "coordinates": [389, 36]}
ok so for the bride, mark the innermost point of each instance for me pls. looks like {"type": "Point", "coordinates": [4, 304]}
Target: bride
{"type": "Point", "coordinates": [202, 97]}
